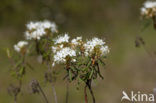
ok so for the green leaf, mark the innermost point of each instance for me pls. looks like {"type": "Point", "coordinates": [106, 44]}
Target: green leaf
{"type": "Point", "coordinates": [8, 52]}
{"type": "Point", "coordinates": [89, 63]}
{"type": "Point", "coordinates": [18, 63]}
{"type": "Point", "coordinates": [101, 62]}
{"type": "Point", "coordinates": [70, 75]}
{"type": "Point", "coordinates": [91, 73]}
{"type": "Point", "coordinates": [22, 71]}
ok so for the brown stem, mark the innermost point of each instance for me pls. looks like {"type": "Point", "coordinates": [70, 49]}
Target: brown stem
{"type": "Point", "coordinates": [154, 22]}
{"type": "Point", "coordinates": [54, 93]}
{"type": "Point", "coordinates": [53, 87]}
{"type": "Point", "coordinates": [85, 93]}
{"type": "Point", "coordinates": [67, 93]}
{"type": "Point", "coordinates": [88, 84]}
{"type": "Point", "coordinates": [44, 96]}
{"type": "Point", "coordinates": [15, 99]}
{"type": "Point", "coordinates": [92, 94]}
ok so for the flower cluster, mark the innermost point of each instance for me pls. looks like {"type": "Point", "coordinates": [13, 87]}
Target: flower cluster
{"type": "Point", "coordinates": [96, 46]}
{"type": "Point", "coordinates": [20, 46]}
{"type": "Point", "coordinates": [64, 48]}
{"type": "Point", "coordinates": [62, 39]}
{"type": "Point", "coordinates": [149, 9]}
{"type": "Point", "coordinates": [77, 41]}
{"type": "Point", "coordinates": [81, 59]}
{"type": "Point", "coordinates": [61, 56]}
{"type": "Point", "coordinates": [35, 30]}
{"type": "Point", "coordinates": [62, 51]}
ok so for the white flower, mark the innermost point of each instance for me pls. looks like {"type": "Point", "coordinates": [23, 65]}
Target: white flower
{"type": "Point", "coordinates": [150, 4]}
{"type": "Point", "coordinates": [62, 39]}
{"type": "Point", "coordinates": [144, 11]}
{"type": "Point", "coordinates": [92, 44]}
{"type": "Point", "coordinates": [20, 45]}
{"type": "Point", "coordinates": [49, 25]}
{"type": "Point", "coordinates": [77, 41]}
{"type": "Point", "coordinates": [60, 56]}
{"type": "Point", "coordinates": [148, 9]}
{"type": "Point", "coordinates": [104, 50]}
{"type": "Point", "coordinates": [57, 48]}
{"type": "Point", "coordinates": [37, 34]}
{"type": "Point", "coordinates": [35, 30]}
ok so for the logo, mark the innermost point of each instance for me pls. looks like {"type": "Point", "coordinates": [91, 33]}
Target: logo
{"type": "Point", "coordinates": [137, 97]}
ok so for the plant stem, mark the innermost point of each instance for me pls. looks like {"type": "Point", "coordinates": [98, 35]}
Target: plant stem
{"type": "Point", "coordinates": [92, 94]}
{"type": "Point", "coordinates": [67, 93]}
{"type": "Point", "coordinates": [53, 87]}
{"type": "Point", "coordinates": [154, 22]}
{"type": "Point", "coordinates": [43, 94]}
{"type": "Point", "coordinates": [54, 93]}
{"type": "Point", "coordinates": [150, 54]}
{"type": "Point", "coordinates": [99, 71]}
{"type": "Point", "coordinates": [15, 99]}
{"type": "Point", "coordinates": [85, 93]}
{"type": "Point", "coordinates": [88, 84]}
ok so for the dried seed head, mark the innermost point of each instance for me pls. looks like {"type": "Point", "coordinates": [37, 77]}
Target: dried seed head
{"type": "Point", "coordinates": [34, 86]}
{"type": "Point", "coordinates": [139, 41]}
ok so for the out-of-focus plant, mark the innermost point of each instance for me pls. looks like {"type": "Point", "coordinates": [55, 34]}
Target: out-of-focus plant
{"type": "Point", "coordinates": [148, 14]}
{"type": "Point", "coordinates": [148, 11]}
{"type": "Point", "coordinates": [81, 58]}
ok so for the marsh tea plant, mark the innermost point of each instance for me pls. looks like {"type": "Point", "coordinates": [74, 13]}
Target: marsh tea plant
{"type": "Point", "coordinates": [80, 58]}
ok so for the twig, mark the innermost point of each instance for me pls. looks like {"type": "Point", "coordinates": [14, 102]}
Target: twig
{"type": "Point", "coordinates": [53, 87]}
{"type": "Point", "coordinates": [85, 93]}
{"type": "Point", "coordinates": [99, 71]}
{"type": "Point", "coordinates": [88, 84]}
{"type": "Point", "coordinates": [92, 94]}
{"type": "Point", "coordinates": [54, 93]}
{"type": "Point", "coordinates": [46, 100]}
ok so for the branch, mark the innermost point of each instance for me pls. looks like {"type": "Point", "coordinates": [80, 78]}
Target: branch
{"type": "Point", "coordinates": [53, 87]}
{"type": "Point", "coordinates": [90, 89]}
{"type": "Point", "coordinates": [85, 93]}
{"type": "Point", "coordinates": [46, 100]}
{"type": "Point", "coordinates": [54, 93]}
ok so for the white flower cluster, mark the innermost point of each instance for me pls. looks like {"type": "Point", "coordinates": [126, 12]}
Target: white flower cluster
{"type": "Point", "coordinates": [64, 48]}
{"type": "Point", "coordinates": [35, 30]}
{"type": "Point", "coordinates": [62, 39]}
{"type": "Point", "coordinates": [61, 56]}
{"type": "Point", "coordinates": [20, 45]}
{"type": "Point", "coordinates": [57, 48]}
{"type": "Point", "coordinates": [60, 51]}
{"type": "Point", "coordinates": [77, 41]}
{"type": "Point", "coordinates": [92, 45]}
{"type": "Point", "coordinates": [149, 9]}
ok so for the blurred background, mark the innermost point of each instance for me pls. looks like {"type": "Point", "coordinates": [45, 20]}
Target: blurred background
{"type": "Point", "coordinates": [118, 21]}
